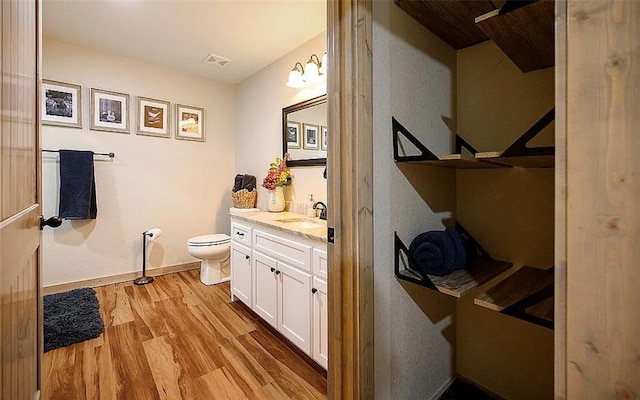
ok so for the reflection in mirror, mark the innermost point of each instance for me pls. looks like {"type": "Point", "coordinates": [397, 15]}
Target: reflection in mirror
{"type": "Point", "coordinates": [304, 127]}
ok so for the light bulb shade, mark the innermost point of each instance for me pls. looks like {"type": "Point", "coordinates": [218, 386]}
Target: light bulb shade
{"type": "Point", "coordinates": [311, 73]}
{"type": "Point", "coordinates": [323, 64]}
{"type": "Point", "coordinates": [295, 79]}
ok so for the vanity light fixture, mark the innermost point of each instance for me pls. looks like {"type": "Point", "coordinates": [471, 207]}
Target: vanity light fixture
{"type": "Point", "coordinates": [312, 69]}
{"type": "Point", "coordinates": [323, 64]}
{"type": "Point", "coordinates": [296, 76]}
{"type": "Point", "coordinates": [311, 73]}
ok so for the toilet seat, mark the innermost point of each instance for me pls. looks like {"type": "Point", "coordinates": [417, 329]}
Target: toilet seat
{"type": "Point", "coordinates": [215, 239]}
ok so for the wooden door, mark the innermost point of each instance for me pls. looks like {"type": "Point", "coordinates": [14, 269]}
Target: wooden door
{"type": "Point", "coordinates": [20, 298]}
{"type": "Point", "coordinates": [265, 288]}
{"type": "Point", "coordinates": [597, 323]}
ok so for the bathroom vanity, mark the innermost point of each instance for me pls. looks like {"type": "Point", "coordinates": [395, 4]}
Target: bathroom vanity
{"type": "Point", "coordinates": [279, 270]}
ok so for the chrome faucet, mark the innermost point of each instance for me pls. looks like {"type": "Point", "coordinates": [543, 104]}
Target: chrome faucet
{"type": "Point", "coordinates": [323, 210]}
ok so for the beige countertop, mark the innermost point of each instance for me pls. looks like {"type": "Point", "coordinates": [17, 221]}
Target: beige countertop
{"type": "Point", "coordinates": [277, 221]}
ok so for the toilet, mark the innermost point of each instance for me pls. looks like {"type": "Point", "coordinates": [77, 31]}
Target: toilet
{"type": "Point", "coordinates": [214, 252]}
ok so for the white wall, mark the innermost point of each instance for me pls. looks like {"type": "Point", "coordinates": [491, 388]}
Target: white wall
{"type": "Point", "coordinates": [260, 100]}
{"type": "Point", "coordinates": [182, 187]}
{"type": "Point", "coordinates": [414, 78]}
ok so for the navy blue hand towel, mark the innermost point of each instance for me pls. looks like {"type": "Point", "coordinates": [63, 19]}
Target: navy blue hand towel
{"type": "Point", "coordinates": [248, 182]}
{"type": "Point", "coordinates": [439, 252]}
{"type": "Point", "coordinates": [77, 185]}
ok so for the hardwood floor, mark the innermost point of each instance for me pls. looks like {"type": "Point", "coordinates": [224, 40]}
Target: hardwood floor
{"type": "Point", "coordinates": [178, 339]}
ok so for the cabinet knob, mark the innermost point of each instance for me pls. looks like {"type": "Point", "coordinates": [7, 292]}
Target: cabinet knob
{"type": "Point", "coordinates": [277, 272]}
{"type": "Point", "coordinates": [241, 234]}
{"type": "Point", "coordinates": [273, 269]}
{"type": "Point", "coordinates": [314, 290]}
{"type": "Point", "coordinates": [247, 257]}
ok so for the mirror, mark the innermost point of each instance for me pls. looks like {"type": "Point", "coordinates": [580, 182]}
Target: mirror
{"type": "Point", "coordinates": [304, 132]}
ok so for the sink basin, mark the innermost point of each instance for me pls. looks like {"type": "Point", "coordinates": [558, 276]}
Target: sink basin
{"type": "Point", "coordinates": [303, 223]}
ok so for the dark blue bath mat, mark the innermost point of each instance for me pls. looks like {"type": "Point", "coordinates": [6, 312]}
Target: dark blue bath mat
{"type": "Point", "coordinates": [71, 317]}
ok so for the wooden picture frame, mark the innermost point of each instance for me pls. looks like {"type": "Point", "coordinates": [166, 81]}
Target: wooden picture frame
{"type": "Point", "coordinates": [190, 123]}
{"type": "Point", "coordinates": [109, 111]}
{"type": "Point", "coordinates": [294, 135]}
{"type": "Point", "coordinates": [61, 104]}
{"type": "Point", "coordinates": [154, 117]}
{"type": "Point", "coordinates": [311, 137]}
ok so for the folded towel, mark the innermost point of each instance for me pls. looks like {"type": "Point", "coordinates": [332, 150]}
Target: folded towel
{"type": "Point", "coordinates": [245, 181]}
{"type": "Point", "coordinates": [248, 182]}
{"type": "Point", "coordinates": [237, 183]}
{"type": "Point", "coordinates": [439, 252]}
{"type": "Point", "coordinates": [77, 185]}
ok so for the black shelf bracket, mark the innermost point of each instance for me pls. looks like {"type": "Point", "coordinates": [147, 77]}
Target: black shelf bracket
{"type": "Point", "coordinates": [518, 309]}
{"type": "Point", "coordinates": [519, 147]}
{"type": "Point", "coordinates": [425, 154]}
{"type": "Point", "coordinates": [460, 143]}
{"type": "Point", "coordinates": [412, 273]}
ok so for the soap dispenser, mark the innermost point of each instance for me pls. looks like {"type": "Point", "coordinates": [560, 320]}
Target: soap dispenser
{"type": "Point", "coordinates": [311, 212]}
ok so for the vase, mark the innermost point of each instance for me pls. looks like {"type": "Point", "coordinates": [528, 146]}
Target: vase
{"type": "Point", "coordinates": [275, 201]}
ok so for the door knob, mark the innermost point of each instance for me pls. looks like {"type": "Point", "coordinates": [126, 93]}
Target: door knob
{"type": "Point", "coordinates": [52, 222]}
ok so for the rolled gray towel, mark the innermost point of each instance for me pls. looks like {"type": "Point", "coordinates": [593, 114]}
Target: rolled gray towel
{"type": "Point", "coordinates": [439, 252]}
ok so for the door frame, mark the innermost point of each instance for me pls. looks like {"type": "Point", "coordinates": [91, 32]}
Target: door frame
{"type": "Point", "coordinates": [350, 194]}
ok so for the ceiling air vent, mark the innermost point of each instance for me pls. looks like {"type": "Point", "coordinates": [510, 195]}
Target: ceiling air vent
{"type": "Point", "coordinates": [217, 60]}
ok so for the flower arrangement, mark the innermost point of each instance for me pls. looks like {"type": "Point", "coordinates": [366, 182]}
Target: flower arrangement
{"type": "Point", "coordinates": [278, 174]}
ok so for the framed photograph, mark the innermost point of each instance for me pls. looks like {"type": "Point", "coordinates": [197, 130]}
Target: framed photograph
{"type": "Point", "coordinates": [311, 137]}
{"type": "Point", "coordinates": [293, 135]}
{"type": "Point", "coordinates": [323, 138]}
{"type": "Point", "coordinates": [109, 111]}
{"type": "Point", "coordinates": [190, 123]}
{"type": "Point", "coordinates": [153, 117]}
{"type": "Point", "coordinates": [61, 104]}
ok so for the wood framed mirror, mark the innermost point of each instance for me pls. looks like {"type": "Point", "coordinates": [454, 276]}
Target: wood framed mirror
{"type": "Point", "coordinates": [304, 132]}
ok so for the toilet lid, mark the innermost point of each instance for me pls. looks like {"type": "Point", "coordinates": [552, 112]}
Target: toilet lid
{"type": "Point", "coordinates": [209, 240]}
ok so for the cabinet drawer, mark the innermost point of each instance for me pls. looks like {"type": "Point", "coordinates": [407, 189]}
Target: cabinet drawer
{"type": "Point", "coordinates": [241, 234]}
{"type": "Point", "coordinates": [320, 265]}
{"type": "Point", "coordinates": [293, 253]}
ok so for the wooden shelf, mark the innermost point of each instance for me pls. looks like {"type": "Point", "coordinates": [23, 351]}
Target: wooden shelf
{"type": "Point", "coordinates": [451, 21]}
{"type": "Point", "coordinates": [477, 273]}
{"type": "Point", "coordinates": [524, 34]}
{"type": "Point", "coordinates": [461, 161]}
{"type": "Point", "coordinates": [544, 161]}
{"type": "Point", "coordinates": [521, 284]}
{"type": "Point", "coordinates": [543, 310]}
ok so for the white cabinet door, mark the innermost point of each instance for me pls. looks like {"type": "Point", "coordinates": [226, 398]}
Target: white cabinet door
{"type": "Point", "coordinates": [241, 273]}
{"type": "Point", "coordinates": [265, 288]}
{"type": "Point", "coordinates": [294, 318]}
{"type": "Point", "coordinates": [320, 322]}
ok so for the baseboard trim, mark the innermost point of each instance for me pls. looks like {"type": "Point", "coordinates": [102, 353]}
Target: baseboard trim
{"type": "Point", "coordinates": [127, 276]}
{"type": "Point", "coordinates": [444, 388]}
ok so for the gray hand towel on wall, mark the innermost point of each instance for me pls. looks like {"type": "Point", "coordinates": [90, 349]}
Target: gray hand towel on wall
{"type": "Point", "coordinates": [77, 185]}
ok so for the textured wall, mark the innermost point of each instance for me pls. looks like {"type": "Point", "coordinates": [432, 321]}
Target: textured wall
{"type": "Point", "coordinates": [414, 79]}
